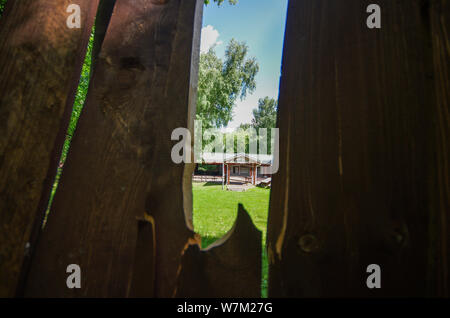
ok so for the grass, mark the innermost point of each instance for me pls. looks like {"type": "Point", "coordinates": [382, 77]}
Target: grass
{"type": "Point", "coordinates": [215, 211]}
{"type": "Point", "coordinates": [80, 98]}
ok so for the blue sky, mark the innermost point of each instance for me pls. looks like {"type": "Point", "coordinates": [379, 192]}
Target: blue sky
{"type": "Point", "coordinates": [261, 24]}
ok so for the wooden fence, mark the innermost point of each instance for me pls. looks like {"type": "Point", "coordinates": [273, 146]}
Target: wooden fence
{"type": "Point", "coordinates": [364, 154]}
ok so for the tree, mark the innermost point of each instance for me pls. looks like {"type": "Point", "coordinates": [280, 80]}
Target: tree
{"type": "Point", "coordinates": [265, 116]}
{"type": "Point", "coordinates": [245, 126]}
{"type": "Point", "coordinates": [219, 2]}
{"type": "Point", "coordinates": [222, 82]}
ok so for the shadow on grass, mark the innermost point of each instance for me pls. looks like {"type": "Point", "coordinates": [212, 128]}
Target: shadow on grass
{"type": "Point", "coordinates": [212, 183]}
{"type": "Point", "coordinates": [207, 241]}
{"type": "Point", "coordinates": [216, 183]}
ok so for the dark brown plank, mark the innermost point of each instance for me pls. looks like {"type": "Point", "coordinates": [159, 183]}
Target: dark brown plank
{"type": "Point", "coordinates": [40, 63]}
{"type": "Point", "coordinates": [104, 12]}
{"type": "Point", "coordinates": [440, 187]}
{"type": "Point", "coordinates": [362, 164]}
{"type": "Point", "coordinates": [231, 267]}
{"type": "Point", "coordinates": [119, 167]}
{"type": "Point", "coordinates": [143, 282]}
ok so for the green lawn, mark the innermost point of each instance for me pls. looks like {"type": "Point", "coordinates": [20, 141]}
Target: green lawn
{"type": "Point", "coordinates": [215, 211]}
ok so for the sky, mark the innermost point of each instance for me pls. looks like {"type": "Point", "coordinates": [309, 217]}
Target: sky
{"type": "Point", "coordinates": [261, 24]}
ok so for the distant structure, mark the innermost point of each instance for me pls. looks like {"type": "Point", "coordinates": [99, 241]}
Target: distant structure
{"type": "Point", "coordinates": [245, 166]}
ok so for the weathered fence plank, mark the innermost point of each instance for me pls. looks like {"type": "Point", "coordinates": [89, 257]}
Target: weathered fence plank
{"type": "Point", "coordinates": [143, 282]}
{"type": "Point", "coordinates": [440, 187]}
{"type": "Point", "coordinates": [40, 63]}
{"type": "Point", "coordinates": [231, 267]}
{"type": "Point", "coordinates": [104, 13]}
{"type": "Point", "coordinates": [364, 126]}
{"type": "Point", "coordinates": [119, 167]}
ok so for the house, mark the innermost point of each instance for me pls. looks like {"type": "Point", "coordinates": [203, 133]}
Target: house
{"type": "Point", "coordinates": [240, 167]}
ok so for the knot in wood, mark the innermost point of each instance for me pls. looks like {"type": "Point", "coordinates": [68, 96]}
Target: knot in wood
{"type": "Point", "coordinates": [398, 238]}
{"type": "Point", "coordinates": [308, 243]}
{"type": "Point", "coordinates": [399, 234]}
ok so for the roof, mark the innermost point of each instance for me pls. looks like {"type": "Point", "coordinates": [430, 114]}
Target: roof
{"type": "Point", "coordinates": [220, 158]}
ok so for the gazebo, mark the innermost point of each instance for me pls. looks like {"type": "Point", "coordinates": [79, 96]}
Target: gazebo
{"type": "Point", "coordinates": [242, 165]}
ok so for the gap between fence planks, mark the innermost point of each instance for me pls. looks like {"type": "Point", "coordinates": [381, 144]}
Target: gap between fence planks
{"type": "Point", "coordinates": [41, 61]}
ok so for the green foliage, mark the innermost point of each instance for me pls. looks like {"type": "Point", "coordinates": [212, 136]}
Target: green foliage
{"type": "Point", "coordinates": [219, 2]}
{"type": "Point", "coordinates": [80, 97]}
{"type": "Point", "coordinates": [245, 126]}
{"type": "Point", "coordinates": [222, 82]}
{"type": "Point", "coordinates": [2, 6]}
{"type": "Point", "coordinates": [265, 116]}
{"type": "Point", "coordinates": [215, 211]}
{"type": "Point", "coordinates": [241, 134]}
{"type": "Point", "coordinates": [205, 167]}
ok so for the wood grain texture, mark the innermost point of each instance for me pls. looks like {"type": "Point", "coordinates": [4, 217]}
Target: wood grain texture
{"type": "Point", "coordinates": [119, 167]}
{"type": "Point", "coordinates": [104, 12]}
{"type": "Point", "coordinates": [440, 187]}
{"type": "Point", "coordinates": [363, 116]}
{"type": "Point", "coordinates": [40, 63]}
{"type": "Point", "coordinates": [230, 267]}
{"type": "Point", "coordinates": [143, 281]}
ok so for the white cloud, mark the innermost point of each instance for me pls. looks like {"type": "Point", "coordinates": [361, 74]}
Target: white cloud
{"type": "Point", "coordinates": [209, 38]}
